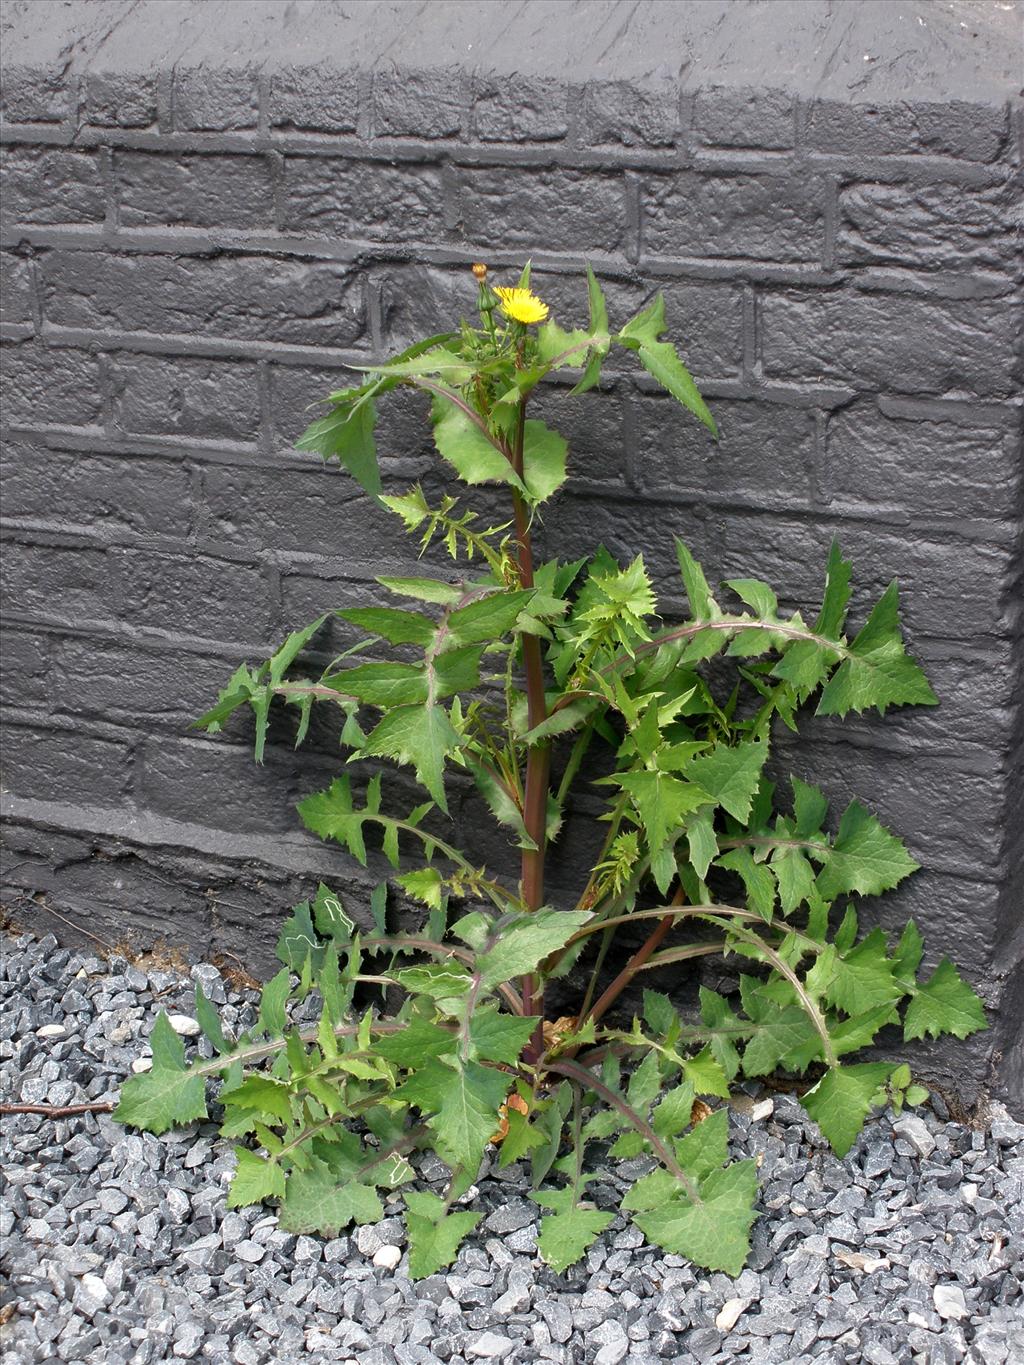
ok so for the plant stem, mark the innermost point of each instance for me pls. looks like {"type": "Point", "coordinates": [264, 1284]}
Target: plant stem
{"type": "Point", "coordinates": [653, 941]}
{"type": "Point", "coordinates": [538, 760]}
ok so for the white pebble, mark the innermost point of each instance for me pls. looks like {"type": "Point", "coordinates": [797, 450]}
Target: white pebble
{"type": "Point", "coordinates": [729, 1314]}
{"type": "Point", "coordinates": [950, 1302]}
{"type": "Point", "coordinates": [185, 1025]}
{"type": "Point", "coordinates": [52, 1031]}
{"type": "Point", "coordinates": [387, 1257]}
{"type": "Point", "coordinates": [142, 1064]}
{"type": "Point", "coordinates": [764, 1109]}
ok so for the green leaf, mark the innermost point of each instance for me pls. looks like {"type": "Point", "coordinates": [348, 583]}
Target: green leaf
{"type": "Point", "coordinates": [462, 1101]}
{"type": "Point", "coordinates": [262, 1095]}
{"type": "Point", "coordinates": [673, 1113]}
{"type": "Point", "coordinates": [700, 834]}
{"type": "Point", "coordinates": [659, 358]}
{"type": "Point", "coordinates": [544, 453]}
{"type": "Point", "coordinates": [714, 1233]}
{"type": "Point", "coordinates": [703, 606]}
{"type": "Point", "coordinates": [255, 1179]}
{"type": "Point", "coordinates": [863, 976]}
{"type": "Point", "coordinates": [944, 1004]}
{"type": "Point", "coordinates": [864, 857]}
{"type": "Point", "coordinates": [566, 1233]}
{"type": "Point", "coordinates": [421, 736]}
{"type": "Point", "coordinates": [526, 942]}
{"type": "Point", "coordinates": [795, 877]}
{"type": "Point", "coordinates": [716, 1014]}
{"type": "Point", "coordinates": [500, 1037]}
{"type": "Point", "coordinates": [397, 627]}
{"type": "Point", "coordinates": [731, 775]}
{"type": "Point", "coordinates": [662, 802]}
{"type": "Point", "coordinates": [167, 1096]}
{"type": "Point", "coordinates": [434, 1234]}
{"type": "Point", "coordinates": [468, 448]}
{"type": "Point", "coordinates": [705, 1075]}
{"type": "Point", "coordinates": [705, 1148]}
{"type": "Point", "coordinates": [907, 957]}
{"type": "Point", "coordinates": [424, 590]}
{"type": "Point", "coordinates": [346, 435]}
{"type": "Point", "coordinates": [500, 801]}
{"type": "Point", "coordinates": [878, 671]}
{"type": "Point", "coordinates": [780, 1033]}
{"type": "Point", "coordinates": [331, 917]}
{"type": "Point", "coordinates": [859, 1031]}
{"type": "Point", "coordinates": [842, 1100]}
{"type": "Point", "coordinates": [298, 941]}
{"type": "Point", "coordinates": [425, 884]}
{"type": "Point", "coordinates": [488, 619]}
{"type": "Point", "coordinates": [315, 1201]}
{"type": "Point", "coordinates": [757, 880]}
{"type": "Point", "coordinates": [832, 616]}
{"type": "Point", "coordinates": [209, 1021]}
{"type": "Point", "coordinates": [273, 1018]}
{"type": "Point", "coordinates": [417, 1040]}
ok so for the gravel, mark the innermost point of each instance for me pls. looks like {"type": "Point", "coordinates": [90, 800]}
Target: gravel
{"type": "Point", "coordinates": [118, 1248]}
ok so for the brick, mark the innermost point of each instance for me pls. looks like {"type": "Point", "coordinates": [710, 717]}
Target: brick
{"type": "Point", "coordinates": [319, 510]}
{"type": "Point", "coordinates": [297, 397]}
{"type": "Point", "coordinates": [554, 210]}
{"type": "Point", "coordinates": [194, 595]}
{"type": "Point", "coordinates": [929, 468]}
{"type": "Point", "coordinates": [24, 668]}
{"type": "Point", "coordinates": [248, 297]}
{"type": "Point", "coordinates": [164, 396]}
{"type": "Point", "coordinates": [951, 589]}
{"type": "Point", "coordinates": [15, 289]}
{"type": "Point", "coordinates": [64, 765]}
{"type": "Point", "coordinates": [208, 99]}
{"type": "Point", "coordinates": [618, 113]}
{"type": "Point", "coordinates": [528, 109]}
{"type": "Point", "coordinates": [420, 104]}
{"type": "Point", "coordinates": [313, 99]}
{"type": "Point", "coordinates": [949, 811]}
{"type": "Point", "coordinates": [905, 344]}
{"type": "Point", "coordinates": [936, 226]}
{"type": "Point", "coordinates": [307, 595]}
{"type": "Point", "coordinates": [124, 681]}
{"type": "Point", "coordinates": [50, 384]}
{"type": "Point", "coordinates": [43, 582]}
{"type": "Point", "coordinates": [705, 322]}
{"type": "Point", "coordinates": [726, 117]}
{"type": "Point", "coordinates": [119, 99]}
{"type": "Point", "coordinates": [593, 426]}
{"type": "Point", "coordinates": [217, 784]}
{"type": "Point", "coordinates": [753, 217]}
{"type": "Point", "coordinates": [154, 188]}
{"type": "Point", "coordinates": [145, 496]}
{"type": "Point", "coordinates": [764, 451]}
{"type": "Point", "coordinates": [51, 185]}
{"type": "Point", "coordinates": [367, 200]}
{"type": "Point", "coordinates": [976, 132]}
{"type": "Point", "coordinates": [976, 691]}
{"type": "Point", "coordinates": [33, 94]}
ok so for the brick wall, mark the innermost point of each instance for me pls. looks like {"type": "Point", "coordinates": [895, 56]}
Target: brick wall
{"type": "Point", "coordinates": [191, 256]}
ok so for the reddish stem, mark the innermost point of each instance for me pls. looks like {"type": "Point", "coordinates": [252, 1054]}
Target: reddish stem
{"type": "Point", "coordinates": [658, 935]}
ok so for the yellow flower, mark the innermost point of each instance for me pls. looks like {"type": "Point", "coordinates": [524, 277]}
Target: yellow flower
{"type": "Point", "coordinates": [521, 304]}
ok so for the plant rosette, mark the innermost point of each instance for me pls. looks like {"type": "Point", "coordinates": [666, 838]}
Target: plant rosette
{"type": "Point", "coordinates": [531, 681]}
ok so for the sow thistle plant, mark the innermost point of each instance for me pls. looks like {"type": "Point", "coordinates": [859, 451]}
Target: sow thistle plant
{"type": "Point", "coordinates": [510, 678]}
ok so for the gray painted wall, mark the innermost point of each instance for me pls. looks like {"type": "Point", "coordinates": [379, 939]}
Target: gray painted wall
{"type": "Point", "coordinates": [198, 239]}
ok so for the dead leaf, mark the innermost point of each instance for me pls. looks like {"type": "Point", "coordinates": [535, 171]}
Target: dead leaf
{"type": "Point", "coordinates": [555, 1030]}
{"type": "Point", "coordinates": [698, 1114]}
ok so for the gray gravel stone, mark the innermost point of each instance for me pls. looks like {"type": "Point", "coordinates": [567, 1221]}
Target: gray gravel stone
{"type": "Point", "coordinates": [120, 1249]}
